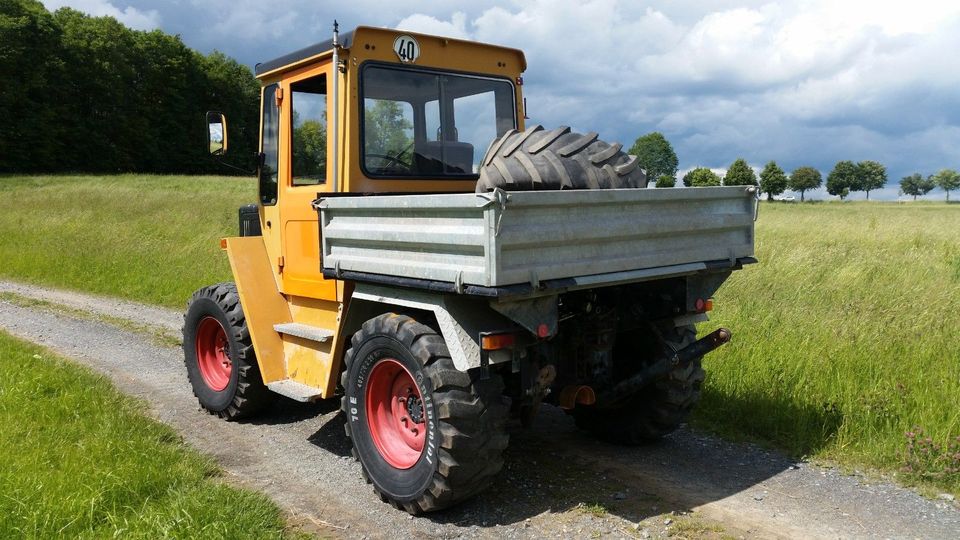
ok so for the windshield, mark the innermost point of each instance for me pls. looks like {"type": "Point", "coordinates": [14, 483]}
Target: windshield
{"type": "Point", "coordinates": [429, 124]}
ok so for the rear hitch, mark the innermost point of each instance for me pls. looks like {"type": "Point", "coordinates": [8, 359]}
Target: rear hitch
{"type": "Point", "coordinates": [701, 346]}
{"type": "Point", "coordinates": [670, 360]}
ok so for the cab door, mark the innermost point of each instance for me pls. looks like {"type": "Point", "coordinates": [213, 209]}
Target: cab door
{"type": "Point", "coordinates": [304, 174]}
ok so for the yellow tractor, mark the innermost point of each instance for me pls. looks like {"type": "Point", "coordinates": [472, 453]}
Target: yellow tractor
{"type": "Point", "coordinates": [441, 268]}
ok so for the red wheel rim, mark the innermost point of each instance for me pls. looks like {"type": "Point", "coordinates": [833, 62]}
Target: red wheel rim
{"type": "Point", "coordinates": [395, 414]}
{"type": "Point", "coordinates": [213, 354]}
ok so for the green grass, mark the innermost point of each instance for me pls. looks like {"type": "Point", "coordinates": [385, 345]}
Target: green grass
{"type": "Point", "coordinates": [149, 238]}
{"type": "Point", "coordinates": [81, 461]}
{"type": "Point", "coordinates": [846, 338]}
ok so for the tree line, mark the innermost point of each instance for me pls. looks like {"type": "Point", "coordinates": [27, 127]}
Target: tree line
{"type": "Point", "coordinates": [87, 94]}
{"type": "Point", "coordinates": [658, 158]}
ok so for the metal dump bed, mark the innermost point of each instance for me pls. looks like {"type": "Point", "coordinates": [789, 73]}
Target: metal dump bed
{"type": "Point", "coordinates": [500, 239]}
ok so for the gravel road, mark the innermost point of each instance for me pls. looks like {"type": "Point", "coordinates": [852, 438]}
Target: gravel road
{"type": "Point", "coordinates": [558, 482]}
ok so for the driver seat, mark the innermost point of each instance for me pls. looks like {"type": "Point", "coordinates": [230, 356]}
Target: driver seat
{"type": "Point", "coordinates": [429, 157]}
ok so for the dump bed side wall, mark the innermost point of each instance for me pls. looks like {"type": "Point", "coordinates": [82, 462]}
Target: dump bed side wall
{"type": "Point", "coordinates": [535, 236]}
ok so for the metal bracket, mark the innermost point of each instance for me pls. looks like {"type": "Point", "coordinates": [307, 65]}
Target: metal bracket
{"type": "Point", "coordinates": [756, 207]}
{"type": "Point", "coordinates": [457, 282]}
{"type": "Point", "coordinates": [497, 196]}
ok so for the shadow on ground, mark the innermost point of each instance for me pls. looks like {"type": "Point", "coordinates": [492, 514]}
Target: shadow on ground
{"type": "Point", "coordinates": [554, 467]}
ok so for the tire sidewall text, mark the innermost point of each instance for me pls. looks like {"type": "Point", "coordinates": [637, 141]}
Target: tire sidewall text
{"type": "Point", "coordinates": [401, 485]}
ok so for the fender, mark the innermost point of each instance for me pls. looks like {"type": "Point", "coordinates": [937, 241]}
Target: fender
{"type": "Point", "coordinates": [460, 319]}
{"type": "Point", "coordinates": [257, 287]}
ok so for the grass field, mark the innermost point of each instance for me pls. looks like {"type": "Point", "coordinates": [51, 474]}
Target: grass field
{"type": "Point", "coordinates": [81, 461]}
{"type": "Point", "coordinates": [148, 238]}
{"type": "Point", "coordinates": [845, 335]}
{"type": "Point", "coordinates": [846, 338]}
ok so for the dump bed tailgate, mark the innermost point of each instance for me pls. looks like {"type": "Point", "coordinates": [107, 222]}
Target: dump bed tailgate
{"type": "Point", "coordinates": [500, 239]}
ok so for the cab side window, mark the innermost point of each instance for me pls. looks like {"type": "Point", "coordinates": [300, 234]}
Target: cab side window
{"type": "Point", "coordinates": [309, 136]}
{"type": "Point", "coordinates": [270, 146]}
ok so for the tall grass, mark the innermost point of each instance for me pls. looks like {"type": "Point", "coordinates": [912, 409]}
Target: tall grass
{"type": "Point", "coordinates": [148, 238]}
{"type": "Point", "coordinates": [847, 337]}
{"type": "Point", "coordinates": [81, 461]}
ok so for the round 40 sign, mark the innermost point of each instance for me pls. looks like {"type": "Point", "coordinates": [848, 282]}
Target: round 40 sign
{"type": "Point", "coordinates": [407, 48]}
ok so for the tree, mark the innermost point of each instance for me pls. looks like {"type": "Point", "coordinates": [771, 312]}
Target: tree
{"type": "Point", "coordinates": [656, 156]}
{"type": "Point", "coordinates": [740, 174]}
{"type": "Point", "coordinates": [916, 185]}
{"type": "Point", "coordinates": [92, 95]}
{"type": "Point", "coordinates": [386, 131]}
{"type": "Point", "coordinates": [310, 149]}
{"type": "Point", "coordinates": [701, 177]}
{"type": "Point", "coordinates": [873, 175]}
{"type": "Point", "coordinates": [666, 180]}
{"type": "Point", "coordinates": [773, 181]}
{"type": "Point", "coordinates": [30, 69]}
{"type": "Point", "coordinates": [844, 178]}
{"type": "Point", "coordinates": [803, 179]}
{"type": "Point", "coordinates": [948, 180]}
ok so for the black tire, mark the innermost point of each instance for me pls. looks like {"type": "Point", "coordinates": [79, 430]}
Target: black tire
{"type": "Point", "coordinates": [243, 392]}
{"type": "Point", "coordinates": [655, 411]}
{"type": "Point", "coordinates": [537, 159]}
{"type": "Point", "coordinates": [463, 416]}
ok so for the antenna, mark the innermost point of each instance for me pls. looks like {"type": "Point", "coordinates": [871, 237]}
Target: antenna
{"type": "Point", "coordinates": [336, 106]}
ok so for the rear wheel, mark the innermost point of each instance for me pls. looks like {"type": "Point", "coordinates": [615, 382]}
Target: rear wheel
{"type": "Point", "coordinates": [656, 410]}
{"type": "Point", "coordinates": [426, 434]}
{"type": "Point", "coordinates": [219, 358]}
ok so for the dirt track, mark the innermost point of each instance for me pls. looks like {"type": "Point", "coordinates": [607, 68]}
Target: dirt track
{"type": "Point", "coordinates": [558, 482]}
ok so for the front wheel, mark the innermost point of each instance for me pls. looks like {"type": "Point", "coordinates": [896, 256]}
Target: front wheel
{"type": "Point", "coordinates": [219, 357]}
{"type": "Point", "coordinates": [426, 434]}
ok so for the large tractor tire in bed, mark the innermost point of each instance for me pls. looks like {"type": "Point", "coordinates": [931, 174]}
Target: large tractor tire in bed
{"type": "Point", "coordinates": [537, 159]}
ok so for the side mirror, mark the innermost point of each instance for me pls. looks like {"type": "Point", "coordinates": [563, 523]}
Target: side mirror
{"type": "Point", "coordinates": [216, 133]}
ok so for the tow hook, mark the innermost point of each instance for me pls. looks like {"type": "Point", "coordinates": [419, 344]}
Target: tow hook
{"type": "Point", "coordinates": [663, 366]}
{"type": "Point", "coordinates": [701, 347]}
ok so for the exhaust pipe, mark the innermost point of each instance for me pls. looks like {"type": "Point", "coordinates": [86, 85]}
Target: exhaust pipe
{"type": "Point", "coordinates": [664, 365]}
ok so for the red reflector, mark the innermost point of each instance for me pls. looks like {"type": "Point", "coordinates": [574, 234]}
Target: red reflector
{"type": "Point", "coordinates": [543, 331]}
{"type": "Point", "coordinates": [497, 341]}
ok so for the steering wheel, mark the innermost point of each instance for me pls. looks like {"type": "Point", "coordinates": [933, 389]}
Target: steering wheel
{"type": "Point", "coordinates": [394, 162]}
{"type": "Point", "coordinates": [389, 163]}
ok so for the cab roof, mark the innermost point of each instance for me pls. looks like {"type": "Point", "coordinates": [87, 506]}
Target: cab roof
{"type": "Point", "coordinates": [346, 40]}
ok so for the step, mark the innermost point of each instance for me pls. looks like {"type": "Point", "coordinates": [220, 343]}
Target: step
{"type": "Point", "coordinates": [305, 331]}
{"type": "Point", "coordinates": [294, 390]}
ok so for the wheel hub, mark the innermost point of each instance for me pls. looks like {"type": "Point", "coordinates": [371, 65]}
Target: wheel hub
{"type": "Point", "coordinates": [395, 414]}
{"type": "Point", "coordinates": [213, 354]}
{"type": "Point", "coordinates": [414, 408]}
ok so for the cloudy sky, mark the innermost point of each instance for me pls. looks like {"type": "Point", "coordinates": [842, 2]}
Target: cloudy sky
{"type": "Point", "coordinates": [802, 82]}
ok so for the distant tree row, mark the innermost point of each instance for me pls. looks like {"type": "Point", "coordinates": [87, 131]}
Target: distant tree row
{"type": "Point", "coordinates": [657, 157]}
{"type": "Point", "coordinates": [916, 185]}
{"type": "Point", "coordinates": [87, 94]}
